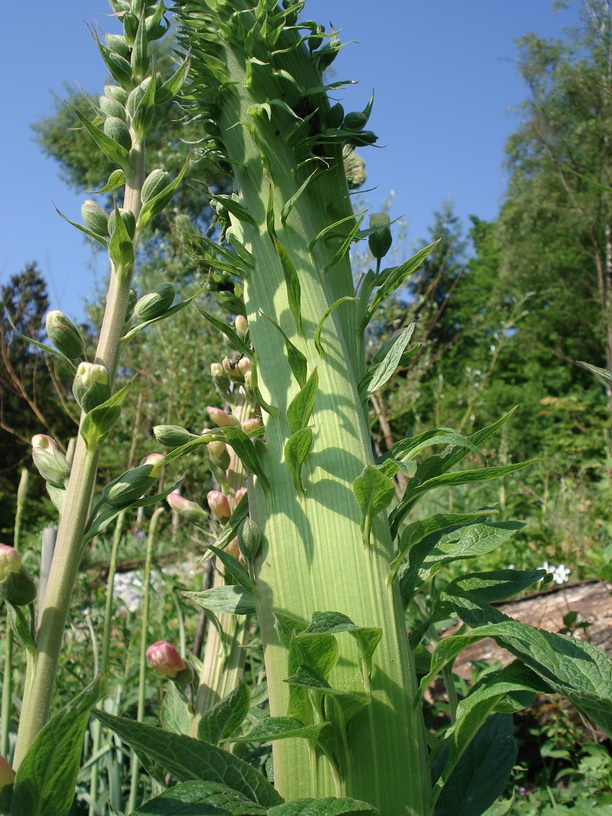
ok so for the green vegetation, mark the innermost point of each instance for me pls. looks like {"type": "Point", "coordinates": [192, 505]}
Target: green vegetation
{"type": "Point", "coordinates": [344, 459]}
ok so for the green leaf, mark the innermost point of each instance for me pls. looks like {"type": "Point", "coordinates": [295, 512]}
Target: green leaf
{"type": "Point", "coordinates": [121, 246]}
{"type": "Point", "coordinates": [220, 721]}
{"type": "Point", "coordinates": [386, 368]}
{"type": "Point", "coordinates": [115, 152]}
{"type": "Point", "coordinates": [173, 85]}
{"type": "Point", "coordinates": [175, 715]}
{"type": "Point", "coordinates": [418, 530]}
{"type": "Point", "coordinates": [349, 703]}
{"type": "Point", "coordinates": [277, 728]}
{"type": "Point", "coordinates": [297, 448]}
{"type": "Point", "coordinates": [603, 373]}
{"type": "Point", "coordinates": [328, 231]}
{"type": "Point", "coordinates": [392, 279]}
{"type": "Point", "coordinates": [47, 776]}
{"type": "Point", "coordinates": [344, 247]}
{"type": "Point", "coordinates": [200, 799]}
{"type": "Point", "coordinates": [482, 772]}
{"type": "Point", "coordinates": [333, 307]}
{"type": "Point", "coordinates": [227, 330]}
{"type": "Point", "coordinates": [292, 281]}
{"type": "Point", "coordinates": [374, 493]}
{"type": "Point", "coordinates": [489, 587]}
{"type": "Point", "coordinates": [231, 600]}
{"type": "Point", "coordinates": [115, 180]}
{"type": "Point", "coordinates": [301, 406]}
{"type": "Point", "coordinates": [98, 423]}
{"type": "Point", "coordinates": [156, 204]}
{"type": "Point", "coordinates": [186, 758]}
{"type": "Point", "coordinates": [452, 544]}
{"type": "Point", "coordinates": [323, 807]}
{"type": "Point", "coordinates": [409, 447]}
{"type": "Point", "coordinates": [99, 238]}
{"type": "Point", "coordinates": [246, 451]}
{"type": "Point", "coordinates": [286, 626]}
{"type": "Point", "coordinates": [289, 204]}
{"type": "Point", "coordinates": [233, 567]}
{"type": "Point", "coordinates": [297, 361]}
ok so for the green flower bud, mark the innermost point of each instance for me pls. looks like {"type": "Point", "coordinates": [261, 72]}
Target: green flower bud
{"type": "Point", "coordinates": [135, 97]}
{"type": "Point", "coordinates": [155, 303]}
{"type": "Point", "coordinates": [132, 300]}
{"type": "Point", "coordinates": [241, 324]}
{"type": "Point", "coordinates": [172, 436]}
{"type": "Point", "coordinates": [18, 588]}
{"type": "Point", "coordinates": [110, 107]}
{"type": "Point", "coordinates": [118, 45]}
{"type": "Point", "coordinates": [94, 217]}
{"type": "Point", "coordinates": [249, 539]}
{"type": "Point", "coordinates": [118, 131]}
{"type": "Point", "coordinates": [336, 115]}
{"type": "Point", "coordinates": [117, 93]}
{"type": "Point", "coordinates": [49, 460]}
{"type": "Point", "coordinates": [64, 334]}
{"type": "Point", "coordinates": [10, 561]}
{"type": "Point", "coordinates": [129, 221]}
{"type": "Point", "coordinates": [91, 386]}
{"type": "Point", "coordinates": [155, 182]}
{"type": "Point", "coordinates": [355, 120]}
{"type": "Point", "coordinates": [220, 378]}
{"type": "Point", "coordinates": [361, 138]}
{"type": "Point", "coordinates": [131, 485]}
{"type": "Point", "coordinates": [381, 240]}
{"type": "Point", "coordinates": [130, 27]}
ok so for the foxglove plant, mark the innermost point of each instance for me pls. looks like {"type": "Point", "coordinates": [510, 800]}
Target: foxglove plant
{"type": "Point", "coordinates": [333, 558]}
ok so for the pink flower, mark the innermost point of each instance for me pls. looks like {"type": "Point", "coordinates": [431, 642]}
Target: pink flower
{"type": "Point", "coordinates": [219, 505]}
{"type": "Point", "coordinates": [189, 510]}
{"type": "Point", "coordinates": [164, 658]}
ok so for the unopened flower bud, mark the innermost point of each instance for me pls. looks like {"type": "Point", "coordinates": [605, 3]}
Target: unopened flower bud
{"type": "Point", "coordinates": [156, 461]}
{"type": "Point", "coordinates": [110, 107]}
{"type": "Point", "coordinates": [216, 448]}
{"type": "Point", "coordinates": [164, 658]}
{"type": "Point", "coordinates": [248, 380]}
{"type": "Point", "coordinates": [220, 378]}
{"type": "Point", "coordinates": [242, 326]}
{"type": "Point", "coordinates": [49, 460]}
{"type": "Point", "coordinates": [116, 129]}
{"type": "Point", "coordinates": [118, 45]}
{"type": "Point", "coordinates": [155, 183]}
{"type": "Point", "coordinates": [155, 303]}
{"type": "Point", "coordinates": [131, 485]}
{"type": "Point", "coordinates": [116, 92]}
{"type": "Point", "coordinates": [10, 561]}
{"type": "Point", "coordinates": [251, 425]}
{"type": "Point", "coordinates": [128, 218]}
{"type": "Point", "coordinates": [94, 217]}
{"type": "Point", "coordinates": [242, 491]}
{"type": "Point", "coordinates": [7, 777]}
{"type": "Point", "coordinates": [249, 539]}
{"type": "Point", "coordinates": [219, 505]}
{"type": "Point", "coordinates": [244, 365]}
{"type": "Point", "coordinates": [91, 386]}
{"type": "Point", "coordinates": [221, 418]}
{"type": "Point", "coordinates": [16, 584]}
{"type": "Point", "coordinates": [381, 240]}
{"type": "Point", "coordinates": [172, 436]}
{"type": "Point", "coordinates": [64, 334]}
{"type": "Point", "coordinates": [189, 510]}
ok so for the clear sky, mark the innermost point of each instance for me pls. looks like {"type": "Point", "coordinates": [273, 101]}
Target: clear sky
{"type": "Point", "coordinates": [444, 74]}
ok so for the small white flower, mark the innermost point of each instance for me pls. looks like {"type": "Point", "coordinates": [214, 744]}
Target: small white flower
{"type": "Point", "coordinates": [561, 574]}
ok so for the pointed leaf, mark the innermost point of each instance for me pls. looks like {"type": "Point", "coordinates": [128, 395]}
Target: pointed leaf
{"type": "Point", "coordinates": [231, 600]}
{"type": "Point", "coordinates": [277, 728]}
{"type": "Point", "coordinates": [233, 567]}
{"type": "Point", "coordinates": [374, 493]}
{"type": "Point", "coordinates": [46, 779]}
{"type": "Point", "coordinates": [186, 758]}
{"type": "Point", "coordinates": [226, 716]}
{"type": "Point", "coordinates": [112, 149]}
{"type": "Point", "coordinates": [175, 715]}
{"type": "Point", "coordinates": [227, 330]}
{"type": "Point", "coordinates": [297, 448]}
{"type": "Point", "coordinates": [98, 423]}
{"type": "Point", "coordinates": [200, 799]}
{"type": "Point", "coordinates": [292, 281]}
{"type": "Point", "coordinates": [323, 807]}
{"type": "Point", "coordinates": [246, 451]}
{"type": "Point", "coordinates": [301, 406]}
{"type": "Point", "coordinates": [333, 307]}
{"type": "Point", "coordinates": [387, 367]}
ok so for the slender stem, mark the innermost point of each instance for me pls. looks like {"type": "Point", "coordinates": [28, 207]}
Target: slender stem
{"type": "Point", "coordinates": [144, 637]}
{"type": "Point", "coordinates": [7, 688]}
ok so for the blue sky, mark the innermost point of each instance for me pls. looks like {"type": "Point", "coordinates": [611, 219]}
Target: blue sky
{"type": "Point", "coordinates": [446, 92]}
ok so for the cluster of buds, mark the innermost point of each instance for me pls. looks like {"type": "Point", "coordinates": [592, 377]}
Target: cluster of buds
{"type": "Point", "coordinates": [16, 584]}
{"type": "Point", "coordinates": [164, 658]}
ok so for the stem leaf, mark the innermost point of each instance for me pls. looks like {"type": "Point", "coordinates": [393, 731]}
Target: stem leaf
{"type": "Point", "coordinates": [220, 721]}
{"type": "Point", "coordinates": [115, 152]}
{"type": "Point", "coordinates": [98, 422]}
{"type": "Point", "coordinates": [297, 448]}
{"type": "Point", "coordinates": [374, 493]}
{"type": "Point", "coordinates": [246, 451]}
{"type": "Point", "coordinates": [186, 758]}
{"type": "Point", "coordinates": [46, 778]}
{"type": "Point", "coordinates": [275, 728]}
{"type": "Point", "coordinates": [233, 567]}
{"type": "Point", "coordinates": [229, 600]}
{"type": "Point", "coordinates": [301, 406]}
{"type": "Point", "coordinates": [386, 368]}
{"type": "Point", "coordinates": [329, 806]}
{"type": "Point", "coordinates": [317, 335]}
{"type": "Point", "coordinates": [197, 798]}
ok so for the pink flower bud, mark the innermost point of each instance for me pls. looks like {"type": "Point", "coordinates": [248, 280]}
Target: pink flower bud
{"type": "Point", "coordinates": [189, 510]}
{"type": "Point", "coordinates": [245, 365]}
{"type": "Point", "coordinates": [221, 418]}
{"type": "Point", "coordinates": [219, 505]}
{"type": "Point", "coordinates": [156, 460]}
{"type": "Point", "coordinates": [10, 561]}
{"type": "Point", "coordinates": [251, 425]}
{"type": "Point", "coordinates": [239, 494]}
{"type": "Point", "coordinates": [164, 658]}
{"type": "Point", "coordinates": [7, 774]}
{"type": "Point", "coordinates": [242, 326]}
